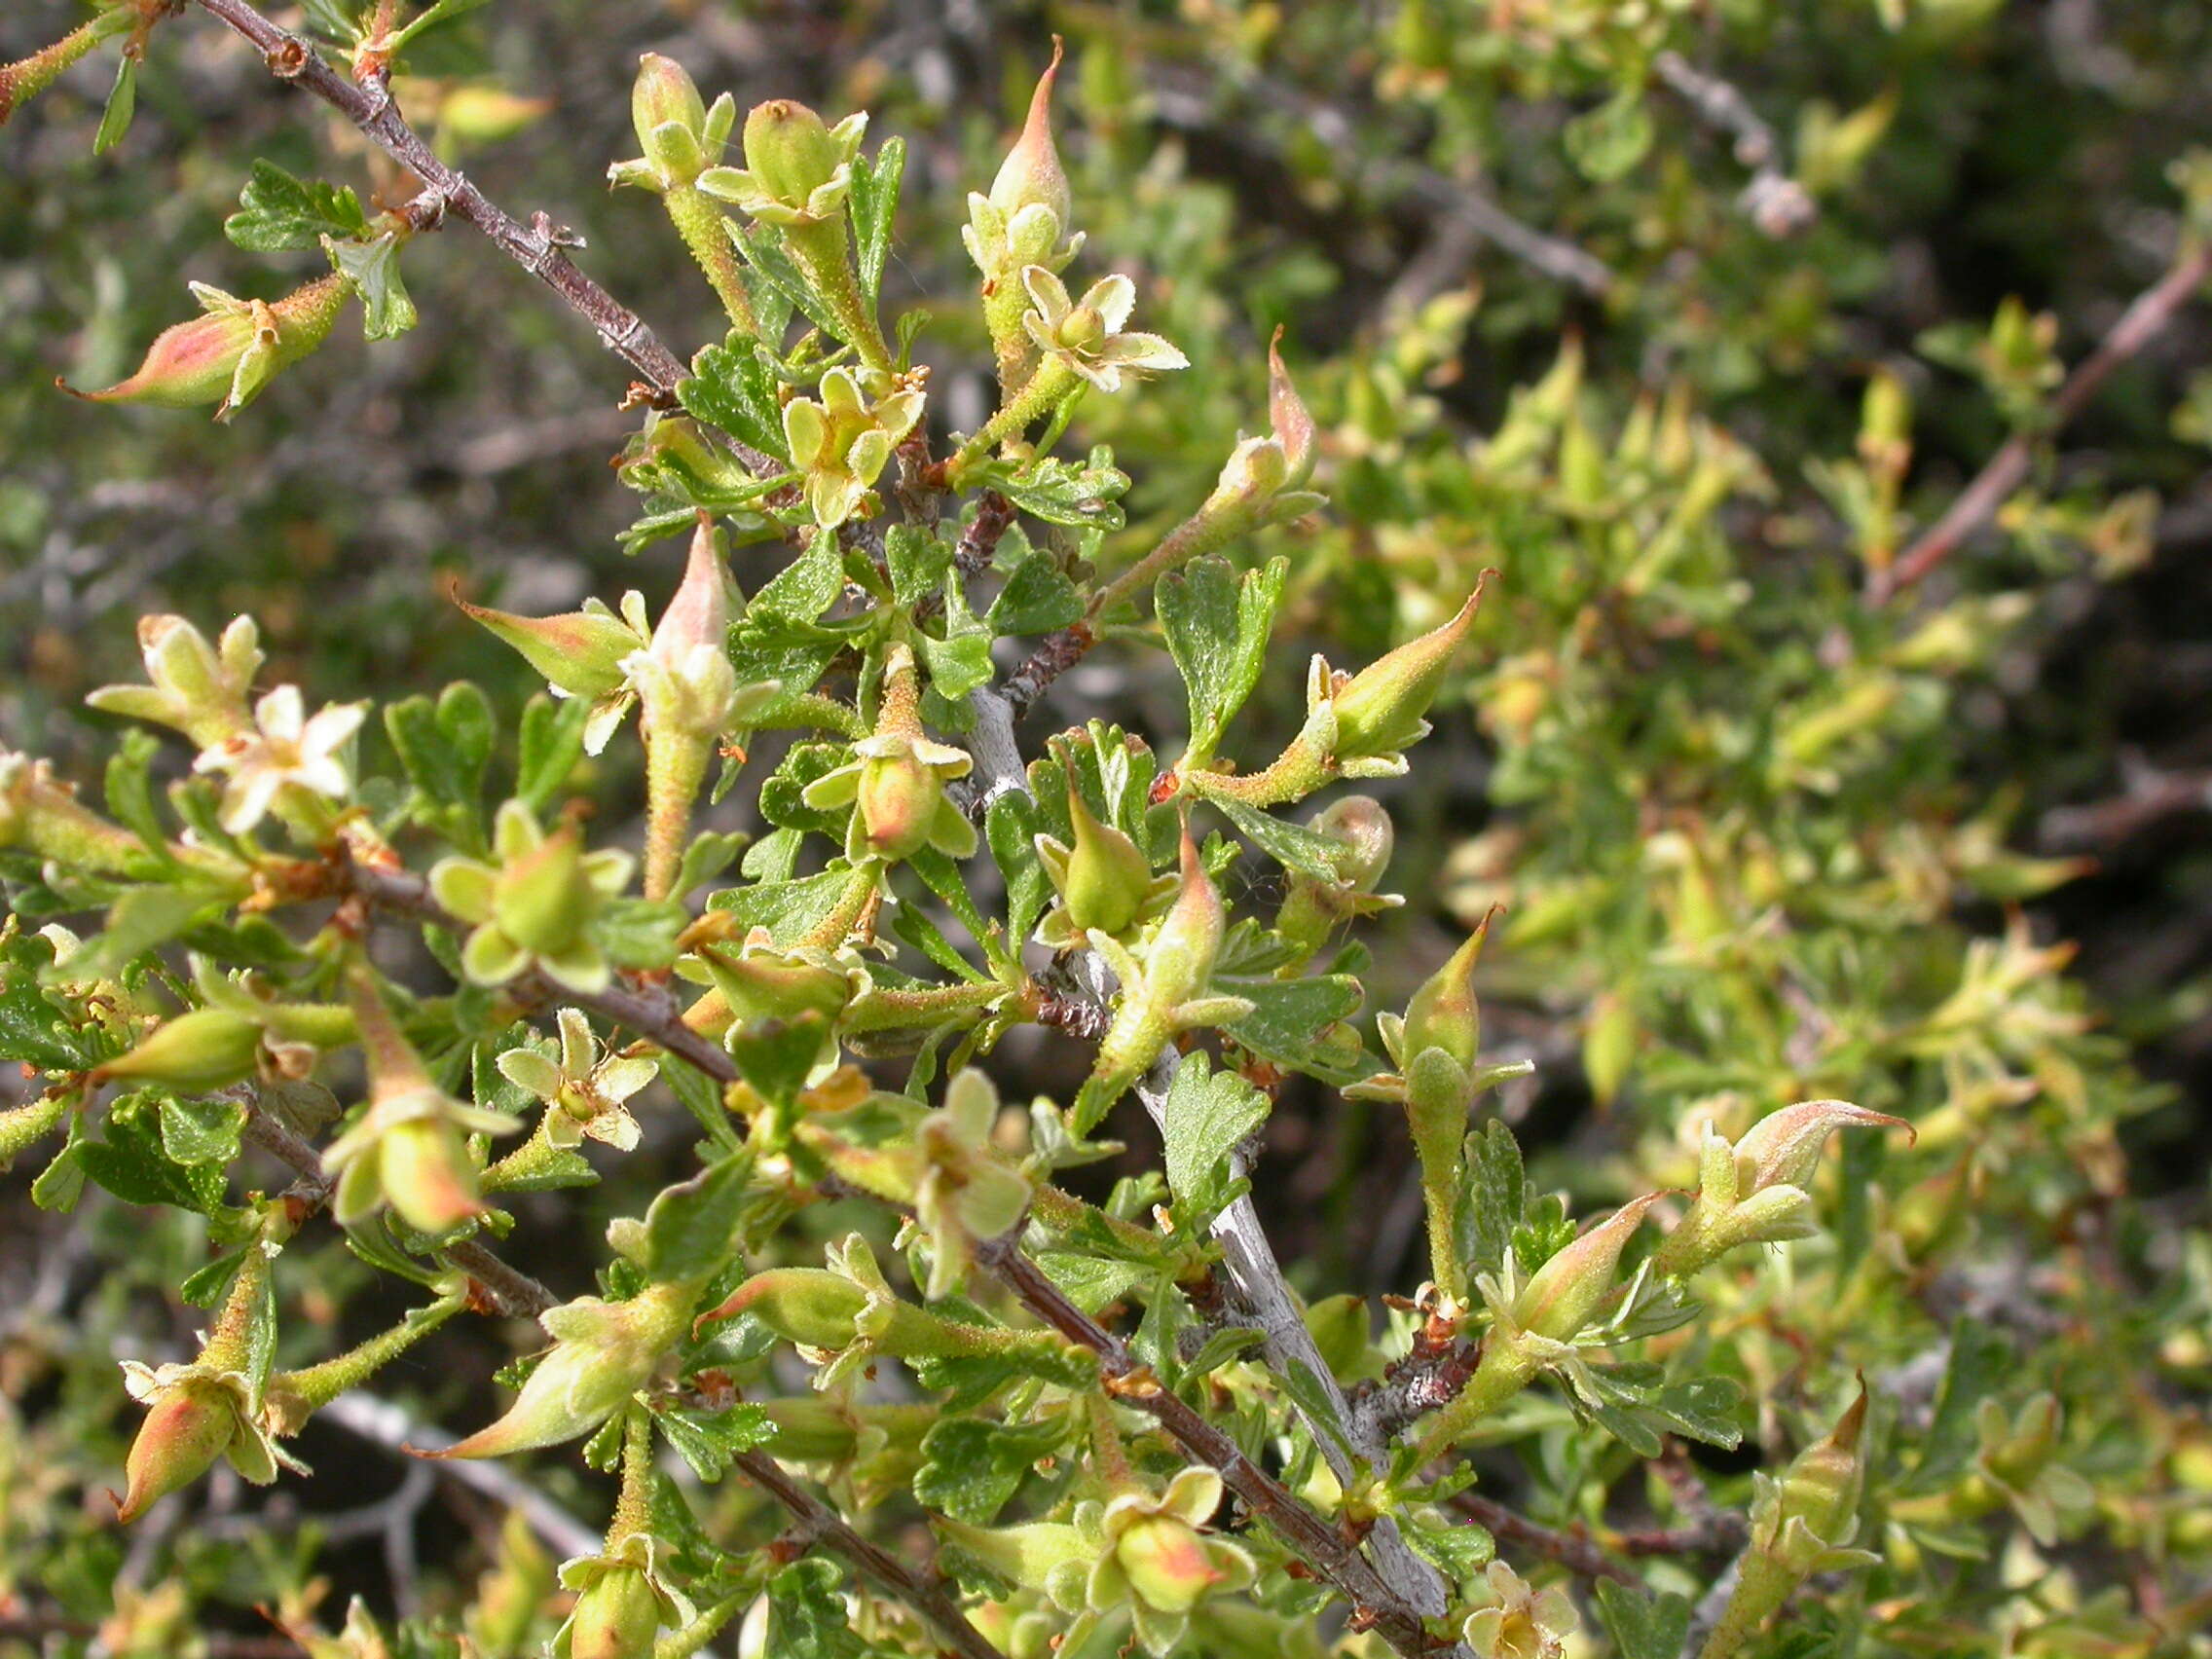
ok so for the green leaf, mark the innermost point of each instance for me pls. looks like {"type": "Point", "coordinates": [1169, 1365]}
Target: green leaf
{"type": "Point", "coordinates": [702, 1096]}
{"type": "Point", "coordinates": [1037, 598]}
{"type": "Point", "coordinates": [1228, 1343]}
{"type": "Point", "coordinates": [710, 1441]}
{"type": "Point", "coordinates": [775, 1056]}
{"type": "Point", "coordinates": [1082, 496]}
{"type": "Point", "coordinates": [279, 213]}
{"type": "Point", "coordinates": [1605, 142]}
{"type": "Point", "coordinates": [141, 920]}
{"type": "Point", "coordinates": [203, 1130]}
{"type": "Point", "coordinates": [1458, 1550]}
{"type": "Point", "coordinates": [691, 1228]}
{"type": "Point", "coordinates": [875, 202]}
{"type": "Point", "coordinates": [788, 910]}
{"type": "Point", "coordinates": [1291, 845]}
{"type": "Point", "coordinates": [1091, 1282]}
{"type": "Point", "coordinates": [1644, 1625]}
{"type": "Point", "coordinates": [971, 1468]}
{"type": "Point", "coordinates": [1492, 1200]}
{"type": "Point", "coordinates": [37, 1027]}
{"type": "Point", "coordinates": [807, 1619]}
{"type": "Point", "coordinates": [549, 744]}
{"type": "Point", "coordinates": [129, 1161]}
{"type": "Point", "coordinates": [1289, 1017]}
{"type": "Point", "coordinates": [1313, 1401]}
{"type": "Point", "coordinates": [122, 102]}
{"type": "Point", "coordinates": [732, 388]}
{"type": "Point", "coordinates": [1208, 1113]}
{"type": "Point", "coordinates": [639, 933]}
{"type": "Point", "coordinates": [800, 592]}
{"type": "Point", "coordinates": [918, 562]}
{"type": "Point", "coordinates": [1010, 827]}
{"type": "Point", "coordinates": [445, 747]}
{"type": "Point", "coordinates": [763, 250]}
{"type": "Point", "coordinates": [129, 788]}
{"type": "Point", "coordinates": [781, 795]}
{"type": "Point", "coordinates": [371, 268]}
{"type": "Point", "coordinates": [961, 661]}
{"type": "Point", "coordinates": [1217, 624]}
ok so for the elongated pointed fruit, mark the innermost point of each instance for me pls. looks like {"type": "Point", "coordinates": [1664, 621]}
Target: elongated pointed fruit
{"type": "Point", "coordinates": [1382, 708]}
{"type": "Point", "coordinates": [227, 356]}
{"type": "Point", "coordinates": [1031, 176]}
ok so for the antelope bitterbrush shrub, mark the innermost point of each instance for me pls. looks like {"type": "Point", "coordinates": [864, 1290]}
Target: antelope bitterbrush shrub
{"type": "Point", "coordinates": [884, 1370]}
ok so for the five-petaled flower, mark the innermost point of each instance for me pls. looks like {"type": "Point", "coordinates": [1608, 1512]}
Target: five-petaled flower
{"type": "Point", "coordinates": [842, 442]}
{"type": "Point", "coordinates": [285, 749]}
{"type": "Point", "coordinates": [1086, 336]}
{"type": "Point", "coordinates": [584, 1090]}
{"type": "Point", "coordinates": [1512, 1621]}
{"type": "Point", "coordinates": [532, 902]}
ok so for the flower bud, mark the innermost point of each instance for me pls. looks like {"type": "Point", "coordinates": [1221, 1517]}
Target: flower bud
{"type": "Point", "coordinates": [229, 354]}
{"type": "Point", "coordinates": [1784, 1147]}
{"type": "Point", "coordinates": [617, 1617]}
{"type": "Point", "coordinates": [1443, 1013]}
{"type": "Point", "coordinates": [811, 1307]}
{"type": "Point", "coordinates": [194, 1053]}
{"type": "Point", "coordinates": [1820, 1489]}
{"type": "Point", "coordinates": [664, 94]}
{"type": "Point", "coordinates": [579, 652]}
{"type": "Point", "coordinates": [768, 984]}
{"type": "Point", "coordinates": [1180, 959]}
{"type": "Point", "coordinates": [1103, 880]}
{"type": "Point", "coordinates": [186, 1429]}
{"type": "Point", "coordinates": [687, 683]}
{"type": "Point", "coordinates": [1380, 710]}
{"type": "Point", "coordinates": [602, 1354]}
{"type": "Point", "coordinates": [428, 1178]}
{"type": "Point", "coordinates": [1563, 1293]}
{"type": "Point", "coordinates": [544, 899]}
{"type": "Point", "coordinates": [1031, 176]}
{"type": "Point", "coordinates": [790, 151]}
{"type": "Point", "coordinates": [1288, 416]}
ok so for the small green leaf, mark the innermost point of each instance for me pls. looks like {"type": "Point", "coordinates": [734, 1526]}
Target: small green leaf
{"type": "Point", "coordinates": [1036, 599]}
{"type": "Point", "coordinates": [691, 1229]}
{"type": "Point", "coordinates": [710, 1441]}
{"type": "Point", "coordinates": [279, 213]}
{"type": "Point", "coordinates": [203, 1130]}
{"type": "Point", "coordinates": [131, 1162]}
{"type": "Point", "coordinates": [1291, 845]}
{"type": "Point", "coordinates": [1605, 142]}
{"type": "Point", "coordinates": [1217, 624]}
{"type": "Point", "coordinates": [1082, 496]}
{"type": "Point", "coordinates": [918, 562]}
{"type": "Point", "coordinates": [372, 268]}
{"type": "Point", "coordinates": [122, 103]}
{"type": "Point", "coordinates": [807, 1619]}
{"type": "Point", "coordinates": [1644, 1625]}
{"type": "Point", "coordinates": [1289, 1017]}
{"type": "Point", "coordinates": [551, 743]}
{"type": "Point", "coordinates": [788, 910]}
{"type": "Point", "coordinates": [1492, 1200]}
{"type": "Point", "coordinates": [1011, 827]}
{"type": "Point", "coordinates": [971, 1468]}
{"type": "Point", "coordinates": [732, 388]}
{"type": "Point", "coordinates": [875, 202]}
{"type": "Point", "coordinates": [1208, 1113]}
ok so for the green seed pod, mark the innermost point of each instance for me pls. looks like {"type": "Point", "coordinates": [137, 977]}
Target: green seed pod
{"type": "Point", "coordinates": [1106, 879]}
{"type": "Point", "coordinates": [811, 1307]}
{"type": "Point", "coordinates": [1380, 710]}
{"type": "Point", "coordinates": [1031, 176]}
{"type": "Point", "coordinates": [616, 1618]}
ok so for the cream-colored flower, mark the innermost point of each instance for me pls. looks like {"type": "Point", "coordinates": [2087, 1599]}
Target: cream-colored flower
{"type": "Point", "coordinates": [843, 442]}
{"type": "Point", "coordinates": [585, 1089]}
{"type": "Point", "coordinates": [286, 749]}
{"type": "Point", "coordinates": [1512, 1621]}
{"type": "Point", "coordinates": [1086, 336]}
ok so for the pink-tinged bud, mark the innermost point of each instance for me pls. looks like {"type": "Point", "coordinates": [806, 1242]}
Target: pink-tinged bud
{"type": "Point", "coordinates": [430, 1179]}
{"type": "Point", "coordinates": [686, 681]}
{"type": "Point", "coordinates": [664, 94]}
{"type": "Point", "coordinates": [764, 985]}
{"type": "Point", "coordinates": [1168, 1563]}
{"type": "Point", "coordinates": [228, 355]}
{"type": "Point", "coordinates": [1784, 1147]}
{"type": "Point", "coordinates": [1288, 414]}
{"type": "Point", "coordinates": [1381, 709]}
{"type": "Point", "coordinates": [1031, 176]}
{"type": "Point", "coordinates": [1563, 1293]}
{"type": "Point", "coordinates": [790, 151]}
{"type": "Point", "coordinates": [1813, 1509]}
{"type": "Point", "coordinates": [811, 1307]}
{"type": "Point", "coordinates": [194, 1053]}
{"type": "Point", "coordinates": [616, 1618]}
{"type": "Point", "coordinates": [899, 798]}
{"type": "Point", "coordinates": [602, 1354]}
{"type": "Point", "coordinates": [184, 1432]}
{"type": "Point", "coordinates": [1104, 879]}
{"type": "Point", "coordinates": [1443, 1013]}
{"type": "Point", "coordinates": [579, 652]}
{"type": "Point", "coordinates": [1180, 959]}
{"type": "Point", "coordinates": [26, 77]}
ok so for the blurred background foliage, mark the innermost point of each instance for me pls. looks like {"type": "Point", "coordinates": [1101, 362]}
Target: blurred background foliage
{"type": "Point", "coordinates": [1687, 391]}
